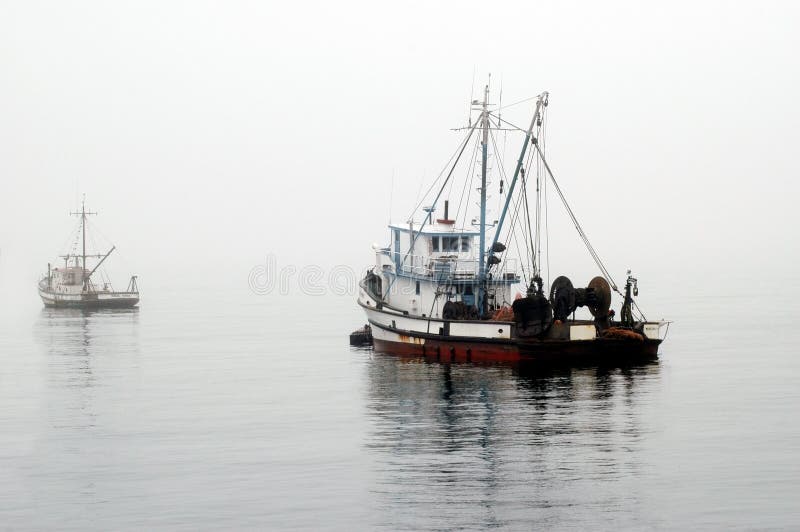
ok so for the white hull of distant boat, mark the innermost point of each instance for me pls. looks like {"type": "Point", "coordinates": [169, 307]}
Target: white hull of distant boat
{"type": "Point", "coordinates": [89, 299]}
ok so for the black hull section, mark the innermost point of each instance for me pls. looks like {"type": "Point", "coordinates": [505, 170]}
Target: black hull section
{"type": "Point", "coordinates": [95, 304]}
{"type": "Point", "coordinates": [600, 349]}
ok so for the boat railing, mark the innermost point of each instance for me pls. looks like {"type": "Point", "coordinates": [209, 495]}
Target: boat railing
{"type": "Point", "coordinates": [449, 267]}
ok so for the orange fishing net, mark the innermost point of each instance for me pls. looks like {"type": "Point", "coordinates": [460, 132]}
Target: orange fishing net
{"type": "Point", "coordinates": [504, 313]}
{"type": "Point", "coordinates": [622, 334]}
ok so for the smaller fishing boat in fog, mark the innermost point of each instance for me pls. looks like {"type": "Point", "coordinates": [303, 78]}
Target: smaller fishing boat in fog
{"type": "Point", "coordinates": [73, 285]}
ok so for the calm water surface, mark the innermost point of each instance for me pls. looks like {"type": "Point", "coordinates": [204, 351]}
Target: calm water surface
{"type": "Point", "coordinates": [239, 412]}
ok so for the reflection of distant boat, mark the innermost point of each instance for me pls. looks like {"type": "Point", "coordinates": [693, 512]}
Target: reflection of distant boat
{"type": "Point", "coordinates": [72, 285]}
{"type": "Point", "coordinates": [87, 312]}
{"type": "Point", "coordinates": [82, 349]}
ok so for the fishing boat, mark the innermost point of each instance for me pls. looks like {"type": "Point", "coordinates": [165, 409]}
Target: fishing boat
{"type": "Point", "coordinates": [73, 284]}
{"type": "Point", "coordinates": [449, 287]}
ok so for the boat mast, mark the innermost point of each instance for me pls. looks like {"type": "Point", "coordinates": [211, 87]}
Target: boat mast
{"type": "Point", "coordinates": [83, 238]}
{"type": "Point", "coordinates": [83, 214]}
{"type": "Point", "coordinates": [482, 303]}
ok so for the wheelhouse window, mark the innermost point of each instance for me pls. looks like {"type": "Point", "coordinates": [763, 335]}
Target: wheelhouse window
{"type": "Point", "coordinates": [450, 243]}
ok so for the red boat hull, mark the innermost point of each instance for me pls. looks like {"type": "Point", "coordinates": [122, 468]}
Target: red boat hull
{"type": "Point", "coordinates": [455, 350]}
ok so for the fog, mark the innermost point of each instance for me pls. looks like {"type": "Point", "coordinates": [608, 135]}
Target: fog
{"type": "Point", "coordinates": [209, 135]}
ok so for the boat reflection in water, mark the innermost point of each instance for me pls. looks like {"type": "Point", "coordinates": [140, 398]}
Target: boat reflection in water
{"type": "Point", "coordinates": [85, 349]}
{"type": "Point", "coordinates": [76, 331]}
{"type": "Point", "coordinates": [507, 445]}
{"type": "Point", "coordinates": [89, 363]}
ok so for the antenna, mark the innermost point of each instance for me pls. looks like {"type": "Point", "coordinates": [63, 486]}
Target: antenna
{"type": "Point", "coordinates": [471, 99]}
{"type": "Point", "coordinates": [500, 105]}
{"type": "Point", "coordinates": [391, 197]}
{"type": "Point", "coordinates": [502, 156]}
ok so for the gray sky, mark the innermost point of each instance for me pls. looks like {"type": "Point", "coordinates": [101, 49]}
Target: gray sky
{"type": "Point", "coordinates": [209, 134]}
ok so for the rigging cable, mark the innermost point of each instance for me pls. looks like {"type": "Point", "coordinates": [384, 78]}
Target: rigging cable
{"type": "Point", "coordinates": [513, 234]}
{"type": "Point", "coordinates": [467, 190]}
{"type": "Point", "coordinates": [500, 158]}
{"type": "Point", "coordinates": [120, 259]}
{"type": "Point", "coordinates": [517, 103]}
{"type": "Point", "coordinates": [538, 249]}
{"type": "Point", "coordinates": [513, 126]}
{"type": "Point", "coordinates": [76, 232]}
{"type": "Point", "coordinates": [528, 220]}
{"type": "Point", "coordinates": [539, 192]}
{"type": "Point", "coordinates": [515, 205]}
{"type": "Point", "coordinates": [528, 229]}
{"type": "Point", "coordinates": [514, 214]}
{"type": "Point", "coordinates": [436, 199]}
{"type": "Point", "coordinates": [543, 139]}
{"type": "Point", "coordinates": [539, 222]}
{"type": "Point", "coordinates": [580, 230]}
{"type": "Point", "coordinates": [457, 153]}
{"type": "Point", "coordinates": [524, 228]}
{"type": "Point", "coordinates": [449, 191]}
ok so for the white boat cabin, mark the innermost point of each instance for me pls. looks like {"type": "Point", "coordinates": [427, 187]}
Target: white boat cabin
{"type": "Point", "coordinates": [437, 258]}
{"type": "Point", "coordinates": [69, 280]}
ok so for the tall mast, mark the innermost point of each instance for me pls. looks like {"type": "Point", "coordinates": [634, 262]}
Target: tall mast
{"type": "Point", "coordinates": [482, 303]}
{"type": "Point", "coordinates": [83, 238]}
{"type": "Point", "coordinates": [83, 213]}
